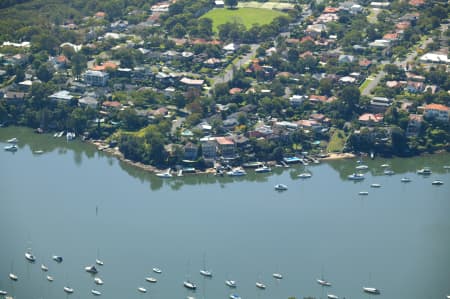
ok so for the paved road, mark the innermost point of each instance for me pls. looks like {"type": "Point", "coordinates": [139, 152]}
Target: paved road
{"type": "Point", "coordinates": [228, 74]}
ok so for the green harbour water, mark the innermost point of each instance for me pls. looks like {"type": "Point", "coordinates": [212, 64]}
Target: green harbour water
{"type": "Point", "coordinates": [82, 204]}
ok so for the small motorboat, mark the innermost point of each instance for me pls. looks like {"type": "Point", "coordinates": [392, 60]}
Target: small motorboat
{"type": "Point", "coordinates": [165, 174]}
{"type": "Point", "coordinates": [142, 290]}
{"type": "Point", "coordinates": [50, 278]}
{"type": "Point", "coordinates": [157, 270]}
{"type": "Point", "coordinates": [95, 293]}
{"type": "Point", "coordinates": [437, 182]}
{"type": "Point", "coordinates": [281, 187]}
{"type": "Point", "coordinates": [363, 193]}
{"type": "Point", "coordinates": [98, 281]}
{"type": "Point", "coordinates": [235, 296]}
{"type": "Point", "coordinates": [375, 186]}
{"type": "Point", "coordinates": [13, 277]}
{"type": "Point", "coordinates": [323, 282]}
{"type": "Point", "coordinates": [260, 285]}
{"type": "Point", "coordinates": [11, 148]}
{"type": "Point", "coordinates": [91, 269]}
{"type": "Point", "coordinates": [68, 290]}
{"type": "Point", "coordinates": [12, 140]}
{"type": "Point", "coordinates": [3, 293]}
{"type": "Point", "coordinates": [206, 273]}
{"type": "Point", "coordinates": [305, 175]}
{"type": "Point", "coordinates": [373, 291]}
{"type": "Point", "coordinates": [189, 285]}
{"type": "Point", "coordinates": [331, 296]}
{"type": "Point", "coordinates": [57, 258]}
{"type": "Point", "coordinates": [277, 276]}
{"type": "Point", "coordinates": [30, 257]}
{"type": "Point", "coordinates": [230, 283]}
{"type": "Point", "coordinates": [385, 165]}
{"type": "Point", "coordinates": [38, 152]}
{"type": "Point", "coordinates": [151, 279]}
{"type": "Point", "coordinates": [405, 180]}
{"type": "Point", "coordinates": [44, 268]}
{"type": "Point", "coordinates": [356, 177]}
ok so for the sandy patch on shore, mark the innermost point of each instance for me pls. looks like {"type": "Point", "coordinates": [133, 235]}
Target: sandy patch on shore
{"type": "Point", "coordinates": [336, 156]}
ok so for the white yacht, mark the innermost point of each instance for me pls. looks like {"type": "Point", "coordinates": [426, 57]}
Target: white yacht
{"type": "Point", "coordinates": [424, 171]}
{"type": "Point", "coordinates": [305, 175]}
{"type": "Point", "coordinates": [331, 296]}
{"type": "Point", "coordinates": [68, 290]}
{"type": "Point", "coordinates": [142, 290]}
{"type": "Point", "coordinates": [385, 165]}
{"type": "Point", "coordinates": [13, 276]}
{"type": "Point", "coordinates": [95, 293]}
{"type": "Point", "coordinates": [437, 182]}
{"type": "Point", "coordinates": [373, 291]}
{"type": "Point", "coordinates": [263, 169]}
{"type": "Point", "coordinates": [356, 177]}
{"type": "Point", "coordinates": [230, 283]}
{"type": "Point", "coordinates": [189, 285]}
{"type": "Point", "coordinates": [12, 140]}
{"type": "Point", "coordinates": [30, 257]}
{"type": "Point", "coordinates": [281, 187]}
{"type": "Point", "coordinates": [11, 148]}
{"type": "Point", "coordinates": [405, 180]}
{"type": "Point", "coordinates": [206, 273]}
{"type": "Point", "coordinates": [99, 262]}
{"type": "Point", "coordinates": [3, 293]}
{"type": "Point", "coordinates": [44, 268]}
{"type": "Point", "coordinates": [157, 270]}
{"type": "Point", "coordinates": [362, 167]}
{"type": "Point", "coordinates": [323, 282]}
{"type": "Point", "coordinates": [98, 281]}
{"type": "Point", "coordinates": [388, 172]}
{"type": "Point", "coordinates": [375, 186]}
{"type": "Point", "coordinates": [165, 175]}
{"type": "Point", "coordinates": [277, 276]}
{"type": "Point", "coordinates": [260, 285]}
{"type": "Point", "coordinates": [50, 278]}
{"type": "Point", "coordinates": [151, 279]}
{"type": "Point", "coordinates": [237, 172]}
{"type": "Point", "coordinates": [235, 296]}
{"type": "Point", "coordinates": [363, 193]}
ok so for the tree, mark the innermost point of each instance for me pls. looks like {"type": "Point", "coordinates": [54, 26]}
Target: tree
{"type": "Point", "coordinates": [44, 74]}
{"type": "Point", "coordinates": [78, 64]}
{"type": "Point", "coordinates": [231, 3]}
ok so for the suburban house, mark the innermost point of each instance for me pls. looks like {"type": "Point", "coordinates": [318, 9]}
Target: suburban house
{"type": "Point", "coordinates": [437, 112]}
{"type": "Point", "coordinates": [379, 104]}
{"type": "Point", "coordinates": [62, 96]}
{"type": "Point", "coordinates": [370, 119]}
{"type": "Point", "coordinates": [190, 151]}
{"type": "Point", "coordinates": [227, 147]}
{"type": "Point", "coordinates": [95, 78]}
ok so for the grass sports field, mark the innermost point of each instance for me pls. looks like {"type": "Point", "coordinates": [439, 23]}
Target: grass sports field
{"type": "Point", "coordinates": [247, 16]}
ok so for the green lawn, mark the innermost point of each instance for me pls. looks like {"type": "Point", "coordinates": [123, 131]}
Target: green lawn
{"type": "Point", "coordinates": [247, 16]}
{"type": "Point", "coordinates": [337, 141]}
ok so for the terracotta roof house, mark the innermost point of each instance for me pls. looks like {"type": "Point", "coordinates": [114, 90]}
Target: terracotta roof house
{"type": "Point", "coordinates": [369, 118]}
{"type": "Point", "coordinates": [365, 63]}
{"type": "Point", "coordinates": [107, 65]}
{"type": "Point", "coordinates": [111, 104]}
{"type": "Point", "coordinates": [235, 90]}
{"type": "Point", "coordinates": [100, 14]}
{"type": "Point", "coordinates": [330, 9]}
{"type": "Point", "coordinates": [416, 3]}
{"type": "Point", "coordinates": [437, 111]}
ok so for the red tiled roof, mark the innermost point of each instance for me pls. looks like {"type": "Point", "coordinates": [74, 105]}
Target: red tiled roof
{"type": "Point", "coordinates": [436, 107]}
{"type": "Point", "coordinates": [330, 9]}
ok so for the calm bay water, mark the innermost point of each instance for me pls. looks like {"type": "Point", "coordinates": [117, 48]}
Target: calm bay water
{"type": "Point", "coordinates": [82, 204]}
